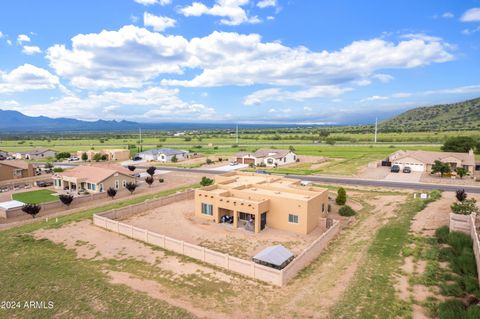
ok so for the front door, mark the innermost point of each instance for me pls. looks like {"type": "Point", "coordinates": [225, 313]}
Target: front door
{"type": "Point", "coordinates": [263, 221]}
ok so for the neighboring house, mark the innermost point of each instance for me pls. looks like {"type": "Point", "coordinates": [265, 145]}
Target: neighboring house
{"type": "Point", "coordinates": [3, 154]}
{"type": "Point", "coordinates": [35, 154]}
{"type": "Point", "coordinates": [269, 157]}
{"type": "Point", "coordinates": [15, 169]}
{"type": "Point", "coordinates": [92, 179]}
{"type": "Point", "coordinates": [422, 161]}
{"type": "Point", "coordinates": [255, 201]}
{"type": "Point", "coordinates": [163, 154]}
{"type": "Point", "coordinates": [111, 154]}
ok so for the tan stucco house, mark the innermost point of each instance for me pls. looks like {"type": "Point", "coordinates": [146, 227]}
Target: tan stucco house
{"type": "Point", "coordinates": [111, 154]}
{"type": "Point", "coordinates": [92, 179]}
{"type": "Point", "coordinates": [15, 169]}
{"type": "Point", "coordinates": [422, 161]}
{"type": "Point", "coordinates": [255, 201]}
{"type": "Point", "coordinates": [269, 157]}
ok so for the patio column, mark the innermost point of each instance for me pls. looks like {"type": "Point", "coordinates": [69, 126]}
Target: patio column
{"type": "Point", "coordinates": [235, 219]}
{"type": "Point", "coordinates": [257, 223]}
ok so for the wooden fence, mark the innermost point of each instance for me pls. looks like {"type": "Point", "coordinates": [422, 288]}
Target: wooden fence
{"type": "Point", "coordinates": [244, 267]}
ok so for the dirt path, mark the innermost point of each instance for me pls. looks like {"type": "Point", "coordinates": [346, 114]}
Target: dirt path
{"type": "Point", "coordinates": [323, 283]}
{"type": "Point", "coordinates": [155, 290]}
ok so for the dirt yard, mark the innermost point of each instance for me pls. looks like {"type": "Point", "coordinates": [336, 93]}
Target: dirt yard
{"type": "Point", "coordinates": [239, 242]}
{"type": "Point", "coordinates": [209, 292]}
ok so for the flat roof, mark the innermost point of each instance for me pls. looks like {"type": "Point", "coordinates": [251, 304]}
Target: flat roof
{"type": "Point", "coordinates": [11, 204]}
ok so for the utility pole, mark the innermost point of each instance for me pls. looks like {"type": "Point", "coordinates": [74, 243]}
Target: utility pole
{"type": "Point", "coordinates": [140, 139]}
{"type": "Point", "coordinates": [376, 129]}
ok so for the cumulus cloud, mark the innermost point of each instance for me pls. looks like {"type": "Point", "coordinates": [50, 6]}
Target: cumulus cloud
{"type": "Point", "coordinates": [150, 2]}
{"type": "Point", "coordinates": [266, 3]}
{"type": "Point", "coordinates": [277, 94]}
{"type": "Point", "coordinates": [158, 23]}
{"type": "Point", "coordinates": [374, 98]}
{"type": "Point", "coordinates": [448, 15]}
{"type": "Point", "coordinates": [132, 56]}
{"type": "Point", "coordinates": [30, 50]}
{"type": "Point", "coordinates": [230, 10]}
{"type": "Point", "coordinates": [153, 103]}
{"type": "Point", "coordinates": [27, 77]}
{"type": "Point", "coordinates": [471, 15]}
{"type": "Point", "coordinates": [384, 78]}
{"type": "Point", "coordinates": [22, 38]}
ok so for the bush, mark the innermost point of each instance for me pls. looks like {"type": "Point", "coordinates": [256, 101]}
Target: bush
{"type": "Point", "coordinates": [347, 211]}
{"type": "Point", "coordinates": [466, 207]}
{"type": "Point", "coordinates": [452, 289]}
{"type": "Point", "coordinates": [459, 241]}
{"type": "Point", "coordinates": [341, 196]}
{"type": "Point", "coordinates": [161, 180]}
{"type": "Point", "coordinates": [452, 309]}
{"type": "Point", "coordinates": [66, 199]}
{"type": "Point", "coordinates": [57, 170]}
{"type": "Point", "coordinates": [461, 195]}
{"type": "Point", "coordinates": [111, 192]}
{"type": "Point", "coordinates": [206, 181]}
{"type": "Point", "coordinates": [209, 161]}
{"type": "Point", "coordinates": [442, 234]}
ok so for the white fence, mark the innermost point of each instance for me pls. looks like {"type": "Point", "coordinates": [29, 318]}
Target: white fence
{"type": "Point", "coordinates": [241, 266]}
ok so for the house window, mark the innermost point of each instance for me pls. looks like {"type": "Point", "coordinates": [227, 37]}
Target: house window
{"type": "Point", "coordinates": [207, 209]}
{"type": "Point", "coordinates": [17, 173]}
{"type": "Point", "coordinates": [94, 187]}
{"type": "Point", "coordinates": [124, 183]}
{"type": "Point", "coordinates": [117, 184]}
{"type": "Point", "coordinates": [323, 207]}
{"type": "Point", "coordinates": [101, 187]}
{"type": "Point", "coordinates": [270, 161]}
{"type": "Point", "coordinates": [89, 186]}
{"type": "Point", "coordinates": [293, 219]}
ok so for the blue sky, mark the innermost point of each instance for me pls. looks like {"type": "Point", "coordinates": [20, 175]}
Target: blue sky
{"type": "Point", "coordinates": [243, 61]}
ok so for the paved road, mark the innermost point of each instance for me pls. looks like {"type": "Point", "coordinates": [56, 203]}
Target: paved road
{"type": "Point", "coordinates": [342, 180]}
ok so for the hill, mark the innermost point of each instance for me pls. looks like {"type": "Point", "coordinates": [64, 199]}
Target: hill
{"type": "Point", "coordinates": [456, 116]}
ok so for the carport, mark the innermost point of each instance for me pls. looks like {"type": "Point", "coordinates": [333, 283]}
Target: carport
{"type": "Point", "coordinates": [277, 257]}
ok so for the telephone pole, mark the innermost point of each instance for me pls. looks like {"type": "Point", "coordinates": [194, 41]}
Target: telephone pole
{"type": "Point", "coordinates": [376, 129]}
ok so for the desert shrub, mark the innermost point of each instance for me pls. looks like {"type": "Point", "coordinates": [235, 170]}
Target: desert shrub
{"type": "Point", "coordinates": [442, 234]}
{"type": "Point", "coordinates": [66, 199]}
{"type": "Point", "coordinates": [31, 209]}
{"type": "Point", "coordinates": [57, 169]}
{"type": "Point", "coordinates": [465, 207]}
{"type": "Point", "coordinates": [470, 285]}
{"type": "Point", "coordinates": [161, 180]}
{"type": "Point", "coordinates": [461, 195]}
{"type": "Point", "coordinates": [435, 194]}
{"type": "Point", "coordinates": [473, 312]}
{"type": "Point", "coordinates": [206, 181]}
{"type": "Point", "coordinates": [446, 254]}
{"type": "Point", "coordinates": [465, 262]}
{"type": "Point", "coordinates": [209, 161]}
{"type": "Point", "coordinates": [453, 289]}
{"type": "Point", "coordinates": [347, 211]}
{"type": "Point", "coordinates": [452, 309]}
{"type": "Point", "coordinates": [341, 196]}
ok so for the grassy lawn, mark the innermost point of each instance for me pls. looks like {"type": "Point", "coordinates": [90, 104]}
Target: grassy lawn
{"type": "Point", "coordinates": [371, 293]}
{"type": "Point", "coordinates": [41, 270]}
{"type": "Point", "coordinates": [35, 197]}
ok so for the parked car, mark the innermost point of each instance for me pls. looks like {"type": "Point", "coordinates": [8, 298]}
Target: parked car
{"type": "Point", "coordinates": [44, 184]}
{"type": "Point", "coordinates": [233, 163]}
{"type": "Point", "coordinates": [2, 158]}
{"type": "Point", "coordinates": [395, 169]}
{"type": "Point", "coordinates": [137, 158]}
{"type": "Point", "coordinates": [407, 170]}
{"type": "Point", "coordinates": [73, 159]}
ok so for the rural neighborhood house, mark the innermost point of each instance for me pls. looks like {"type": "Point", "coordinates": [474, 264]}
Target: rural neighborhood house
{"type": "Point", "coordinates": [268, 157]}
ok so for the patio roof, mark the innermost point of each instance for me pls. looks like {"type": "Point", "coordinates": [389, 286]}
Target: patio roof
{"type": "Point", "coordinates": [274, 255]}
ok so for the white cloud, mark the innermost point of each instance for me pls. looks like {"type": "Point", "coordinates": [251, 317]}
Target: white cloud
{"type": "Point", "coordinates": [471, 15]}
{"type": "Point", "coordinates": [22, 38]}
{"type": "Point", "coordinates": [307, 108]}
{"type": "Point", "coordinates": [448, 15]}
{"type": "Point", "coordinates": [27, 77]}
{"type": "Point", "coordinates": [133, 56]}
{"type": "Point", "coordinates": [151, 104]}
{"type": "Point", "coordinates": [266, 3]}
{"type": "Point", "coordinates": [471, 31]}
{"type": "Point", "coordinates": [30, 50]}
{"type": "Point", "coordinates": [384, 78]}
{"type": "Point", "coordinates": [277, 94]}
{"type": "Point", "coordinates": [1, 34]}
{"type": "Point", "coordinates": [9, 42]}
{"type": "Point", "coordinates": [374, 98]}
{"type": "Point", "coordinates": [150, 2]}
{"type": "Point", "coordinates": [270, 18]}
{"type": "Point", "coordinates": [230, 10]}
{"type": "Point", "coordinates": [158, 23]}
{"type": "Point", "coordinates": [133, 18]}
{"type": "Point", "coordinates": [401, 95]}
{"type": "Point", "coordinates": [115, 59]}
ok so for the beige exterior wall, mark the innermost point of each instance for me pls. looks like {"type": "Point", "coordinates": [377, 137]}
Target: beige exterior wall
{"type": "Point", "coordinates": [116, 181]}
{"type": "Point", "coordinates": [278, 197]}
{"type": "Point", "coordinates": [8, 172]}
{"type": "Point", "coordinates": [112, 155]}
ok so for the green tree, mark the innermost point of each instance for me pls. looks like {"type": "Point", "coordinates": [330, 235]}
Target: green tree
{"type": "Point", "coordinates": [291, 148]}
{"type": "Point", "coordinates": [62, 155]}
{"type": "Point", "coordinates": [341, 196]}
{"type": "Point", "coordinates": [206, 181]}
{"type": "Point", "coordinates": [97, 157]}
{"type": "Point", "coordinates": [461, 144]}
{"type": "Point", "coordinates": [440, 167]}
{"type": "Point", "coordinates": [461, 171]}
{"type": "Point", "coordinates": [174, 159]}
{"type": "Point", "coordinates": [84, 157]}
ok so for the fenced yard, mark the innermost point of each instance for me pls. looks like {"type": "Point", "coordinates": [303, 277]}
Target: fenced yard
{"type": "Point", "coordinates": [110, 221]}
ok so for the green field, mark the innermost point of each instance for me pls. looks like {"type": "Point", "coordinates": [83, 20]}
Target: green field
{"type": "Point", "coordinates": [35, 197]}
{"type": "Point", "coordinates": [43, 271]}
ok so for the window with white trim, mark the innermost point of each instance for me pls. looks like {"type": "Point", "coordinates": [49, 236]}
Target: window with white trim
{"type": "Point", "coordinates": [293, 219]}
{"type": "Point", "coordinates": [117, 184]}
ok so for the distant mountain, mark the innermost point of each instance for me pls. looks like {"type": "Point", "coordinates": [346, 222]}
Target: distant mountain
{"type": "Point", "coordinates": [13, 121]}
{"type": "Point", "coordinates": [456, 116]}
